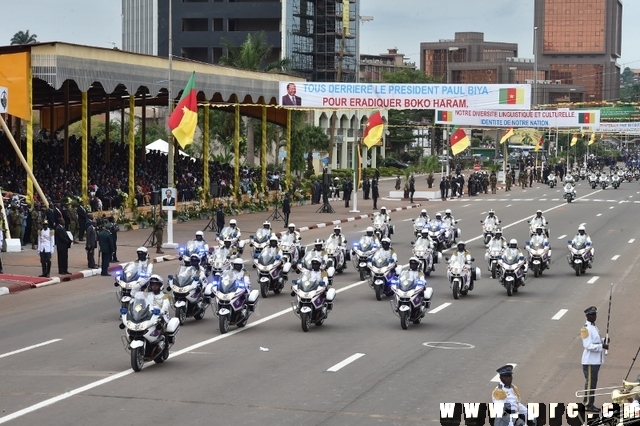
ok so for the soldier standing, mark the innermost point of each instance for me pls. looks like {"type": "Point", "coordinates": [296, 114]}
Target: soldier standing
{"type": "Point", "coordinates": [73, 220]}
{"type": "Point", "coordinates": [36, 226]}
{"type": "Point", "coordinates": [158, 231]}
{"type": "Point", "coordinates": [592, 356]}
{"type": "Point", "coordinates": [493, 180]}
{"type": "Point", "coordinates": [486, 182]}
{"type": "Point", "coordinates": [15, 221]}
{"type": "Point", "coordinates": [507, 182]}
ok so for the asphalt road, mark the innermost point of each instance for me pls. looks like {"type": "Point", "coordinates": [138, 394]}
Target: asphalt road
{"type": "Point", "coordinates": [395, 377]}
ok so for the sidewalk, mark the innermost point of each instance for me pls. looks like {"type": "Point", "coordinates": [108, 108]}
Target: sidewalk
{"type": "Point", "coordinates": [22, 269]}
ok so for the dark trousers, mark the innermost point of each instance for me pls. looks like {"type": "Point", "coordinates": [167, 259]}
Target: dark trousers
{"type": "Point", "coordinates": [81, 231]}
{"type": "Point", "coordinates": [375, 202]}
{"type": "Point", "coordinates": [220, 225]}
{"type": "Point", "coordinates": [590, 381]}
{"type": "Point", "coordinates": [106, 257]}
{"type": "Point", "coordinates": [45, 261]}
{"type": "Point", "coordinates": [63, 260]}
{"type": "Point", "coordinates": [91, 258]}
{"type": "Point", "coordinates": [286, 219]}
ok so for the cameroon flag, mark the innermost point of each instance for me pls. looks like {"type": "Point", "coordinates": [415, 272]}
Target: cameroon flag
{"type": "Point", "coordinates": [507, 135]}
{"type": "Point", "coordinates": [512, 96]}
{"type": "Point", "coordinates": [459, 140]}
{"type": "Point", "coordinates": [374, 129]}
{"type": "Point", "coordinates": [184, 118]}
{"type": "Point", "coordinates": [574, 139]}
{"type": "Point", "coordinates": [540, 143]}
{"type": "Point", "coordinates": [586, 118]}
{"type": "Point", "coordinates": [445, 116]}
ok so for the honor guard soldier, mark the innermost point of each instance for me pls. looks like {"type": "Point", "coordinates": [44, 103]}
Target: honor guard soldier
{"type": "Point", "coordinates": [515, 413]}
{"type": "Point", "coordinates": [592, 356]}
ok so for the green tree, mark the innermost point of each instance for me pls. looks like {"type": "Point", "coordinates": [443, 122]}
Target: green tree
{"type": "Point", "coordinates": [22, 37]}
{"type": "Point", "coordinates": [402, 122]}
{"type": "Point", "coordinates": [627, 76]}
{"type": "Point", "coordinates": [311, 139]}
{"type": "Point", "coordinates": [254, 54]}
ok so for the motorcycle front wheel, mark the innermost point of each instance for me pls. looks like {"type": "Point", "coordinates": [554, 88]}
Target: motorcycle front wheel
{"type": "Point", "coordinates": [363, 275]}
{"type": "Point", "coordinates": [305, 319]}
{"type": "Point", "coordinates": [577, 268]}
{"type": "Point", "coordinates": [494, 270]}
{"type": "Point", "coordinates": [181, 314]}
{"type": "Point", "coordinates": [456, 290]}
{"type": "Point", "coordinates": [509, 286]}
{"type": "Point", "coordinates": [163, 355]}
{"type": "Point", "coordinates": [264, 289]}
{"type": "Point", "coordinates": [378, 292]}
{"type": "Point", "coordinates": [137, 358]}
{"type": "Point", "coordinates": [404, 319]}
{"type": "Point", "coordinates": [223, 322]}
{"type": "Point", "coordinates": [536, 271]}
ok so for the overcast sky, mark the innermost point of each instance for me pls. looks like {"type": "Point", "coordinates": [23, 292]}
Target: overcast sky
{"type": "Point", "coordinates": [402, 23]}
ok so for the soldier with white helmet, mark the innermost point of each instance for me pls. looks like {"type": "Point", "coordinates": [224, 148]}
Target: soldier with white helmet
{"type": "Point", "coordinates": [492, 218]}
{"type": "Point", "coordinates": [513, 250]}
{"type": "Point", "coordinates": [583, 237]}
{"type": "Point", "coordinates": [233, 233]}
{"type": "Point", "coordinates": [159, 299]}
{"type": "Point", "coordinates": [341, 241]}
{"type": "Point", "coordinates": [200, 243]}
{"type": "Point", "coordinates": [239, 272]}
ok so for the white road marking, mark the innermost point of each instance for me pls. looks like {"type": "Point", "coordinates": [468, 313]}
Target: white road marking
{"type": "Point", "coordinates": [631, 240]}
{"type": "Point", "coordinates": [407, 220]}
{"type": "Point", "coordinates": [560, 314]}
{"type": "Point", "coordinates": [599, 214]}
{"type": "Point", "coordinates": [615, 257]}
{"type": "Point", "coordinates": [439, 308]}
{"type": "Point", "coordinates": [508, 205]}
{"type": "Point", "coordinates": [466, 205]}
{"type": "Point", "coordinates": [496, 378]}
{"type": "Point", "coordinates": [125, 373]}
{"type": "Point", "coordinates": [592, 280]}
{"type": "Point", "coordinates": [344, 363]}
{"type": "Point", "coordinates": [612, 207]}
{"type": "Point", "coordinates": [48, 342]}
{"type": "Point", "coordinates": [542, 199]}
{"type": "Point", "coordinates": [555, 199]}
{"type": "Point", "coordinates": [561, 237]}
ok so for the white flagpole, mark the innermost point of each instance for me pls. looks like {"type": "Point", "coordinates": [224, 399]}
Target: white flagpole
{"type": "Point", "coordinates": [171, 153]}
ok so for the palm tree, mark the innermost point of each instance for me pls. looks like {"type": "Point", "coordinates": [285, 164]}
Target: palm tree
{"type": "Point", "coordinates": [23, 38]}
{"type": "Point", "coordinates": [253, 55]}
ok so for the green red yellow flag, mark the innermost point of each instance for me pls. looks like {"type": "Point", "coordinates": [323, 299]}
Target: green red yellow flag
{"type": "Point", "coordinates": [592, 139]}
{"type": "Point", "coordinates": [507, 135]}
{"type": "Point", "coordinates": [445, 116]}
{"type": "Point", "coordinates": [586, 118]}
{"type": "Point", "coordinates": [574, 139]}
{"type": "Point", "coordinates": [184, 118]}
{"type": "Point", "coordinates": [540, 143]}
{"type": "Point", "coordinates": [512, 96]}
{"type": "Point", "coordinates": [374, 129]}
{"type": "Point", "coordinates": [459, 140]}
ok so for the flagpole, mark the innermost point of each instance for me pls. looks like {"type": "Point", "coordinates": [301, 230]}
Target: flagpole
{"type": "Point", "coordinates": [356, 165]}
{"type": "Point", "coordinates": [170, 153]}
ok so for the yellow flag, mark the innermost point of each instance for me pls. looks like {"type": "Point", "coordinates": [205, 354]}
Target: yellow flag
{"type": "Point", "coordinates": [592, 139]}
{"type": "Point", "coordinates": [574, 140]}
{"type": "Point", "coordinates": [507, 135]}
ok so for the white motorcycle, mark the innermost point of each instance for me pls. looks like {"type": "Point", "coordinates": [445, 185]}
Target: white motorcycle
{"type": "Point", "coordinates": [603, 181]}
{"type": "Point", "coordinates": [580, 256]}
{"type": "Point", "coordinates": [419, 224]}
{"type": "Point", "coordinates": [129, 281]}
{"type": "Point", "coordinates": [569, 192]}
{"type": "Point", "coordinates": [461, 276]}
{"type": "Point", "coordinates": [593, 180]}
{"type": "Point", "coordinates": [313, 301]}
{"type": "Point", "coordinates": [551, 180]}
{"type": "Point", "coordinates": [188, 294]}
{"type": "Point", "coordinates": [380, 227]}
{"type": "Point", "coordinates": [304, 265]}
{"type": "Point", "coordinates": [235, 302]}
{"type": "Point", "coordinates": [512, 273]}
{"type": "Point", "coordinates": [615, 181]}
{"type": "Point", "coordinates": [289, 248]}
{"type": "Point", "coordinates": [362, 251]}
{"type": "Point", "coordinates": [539, 256]}
{"type": "Point", "coordinates": [219, 263]}
{"type": "Point", "coordinates": [494, 252]}
{"type": "Point", "coordinates": [412, 300]}
{"type": "Point", "coordinates": [259, 241]}
{"type": "Point", "coordinates": [336, 255]}
{"type": "Point", "coordinates": [423, 251]}
{"type": "Point", "coordinates": [488, 231]}
{"type": "Point", "coordinates": [147, 336]}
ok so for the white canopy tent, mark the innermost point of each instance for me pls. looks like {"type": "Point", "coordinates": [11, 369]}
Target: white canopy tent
{"type": "Point", "coordinates": [163, 146]}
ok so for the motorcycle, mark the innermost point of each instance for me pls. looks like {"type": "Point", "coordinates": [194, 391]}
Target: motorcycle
{"type": "Point", "coordinates": [188, 295]}
{"type": "Point", "coordinates": [235, 302]}
{"type": "Point", "coordinates": [488, 231]}
{"type": "Point", "coordinates": [511, 272]}
{"type": "Point", "coordinates": [382, 270]}
{"type": "Point", "coordinates": [380, 227]}
{"type": "Point", "coordinates": [289, 248]}
{"type": "Point", "coordinates": [129, 281]}
{"type": "Point", "coordinates": [579, 256]}
{"type": "Point", "coordinates": [412, 300]}
{"type": "Point", "coordinates": [219, 263]}
{"type": "Point", "coordinates": [551, 180]}
{"type": "Point", "coordinates": [272, 272]}
{"type": "Point", "coordinates": [494, 252]}
{"type": "Point", "coordinates": [259, 241]}
{"type": "Point", "coordinates": [362, 251]}
{"type": "Point", "coordinates": [418, 225]}
{"type": "Point", "coordinates": [227, 232]}
{"type": "Point", "coordinates": [583, 173]}
{"type": "Point", "coordinates": [313, 301]}
{"type": "Point", "coordinates": [428, 259]}
{"type": "Point", "coordinates": [569, 192]}
{"type": "Point", "coordinates": [539, 256]}
{"type": "Point", "coordinates": [436, 234]}
{"type": "Point", "coordinates": [604, 181]}
{"type": "Point", "coordinates": [460, 275]}
{"type": "Point", "coordinates": [615, 181]}
{"type": "Point", "coordinates": [453, 231]}
{"type": "Point", "coordinates": [335, 255]}
{"type": "Point", "coordinates": [192, 247]}
{"type": "Point", "coordinates": [593, 180]}
{"type": "Point", "coordinates": [532, 228]}
{"type": "Point", "coordinates": [146, 337]}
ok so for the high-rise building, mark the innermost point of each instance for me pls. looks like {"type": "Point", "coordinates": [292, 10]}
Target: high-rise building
{"type": "Point", "coordinates": [311, 33]}
{"type": "Point", "coordinates": [580, 41]}
{"type": "Point", "coordinates": [372, 67]}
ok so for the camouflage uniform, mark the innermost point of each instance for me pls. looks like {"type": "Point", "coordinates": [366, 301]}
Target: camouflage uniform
{"type": "Point", "coordinates": [159, 233]}
{"type": "Point", "coordinates": [73, 216]}
{"type": "Point", "coordinates": [494, 181]}
{"type": "Point", "coordinates": [507, 182]}
{"type": "Point", "coordinates": [15, 222]}
{"type": "Point", "coordinates": [485, 183]}
{"type": "Point", "coordinates": [36, 226]}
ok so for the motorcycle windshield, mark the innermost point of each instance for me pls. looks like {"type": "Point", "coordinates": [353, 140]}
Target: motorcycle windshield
{"type": "Point", "coordinates": [379, 260]}
{"type": "Point", "coordinates": [130, 273]}
{"type": "Point", "coordinates": [510, 258]}
{"type": "Point", "coordinates": [495, 245]}
{"type": "Point", "coordinates": [378, 221]}
{"type": "Point", "coordinates": [537, 245]}
{"type": "Point", "coordinates": [190, 248]}
{"type": "Point", "coordinates": [331, 246]}
{"type": "Point", "coordinates": [457, 262]}
{"type": "Point", "coordinates": [366, 244]}
{"type": "Point", "coordinates": [262, 235]}
{"type": "Point", "coordinates": [306, 284]}
{"type": "Point", "coordinates": [306, 261]}
{"type": "Point", "coordinates": [421, 245]}
{"type": "Point", "coordinates": [266, 258]}
{"type": "Point", "coordinates": [286, 240]}
{"type": "Point", "coordinates": [184, 277]}
{"type": "Point", "coordinates": [434, 226]}
{"type": "Point", "coordinates": [140, 309]}
{"type": "Point", "coordinates": [579, 245]}
{"type": "Point", "coordinates": [420, 222]}
{"type": "Point", "coordinates": [568, 188]}
{"type": "Point", "coordinates": [218, 259]}
{"type": "Point", "coordinates": [407, 284]}
{"type": "Point", "coordinates": [229, 285]}
{"type": "Point", "coordinates": [227, 232]}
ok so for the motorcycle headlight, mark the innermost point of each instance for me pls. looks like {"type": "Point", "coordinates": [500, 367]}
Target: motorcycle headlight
{"type": "Point", "coordinates": [227, 297]}
{"type": "Point", "coordinates": [138, 326]}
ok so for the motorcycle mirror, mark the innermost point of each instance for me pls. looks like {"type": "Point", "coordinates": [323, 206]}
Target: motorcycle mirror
{"type": "Point", "coordinates": [546, 243]}
{"type": "Point", "coordinates": [251, 237]}
{"type": "Point", "coordinates": [526, 243]}
{"type": "Point", "coordinates": [499, 221]}
{"type": "Point", "coordinates": [446, 258]}
{"type": "Point", "coordinates": [482, 221]}
{"type": "Point", "coordinates": [413, 242]}
{"type": "Point", "coordinates": [121, 326]}
{"type": "Point", "coordinates": [115, 284]}
{"type": "Point", "coordinates": [345, 241]}
{"type": "Point", "coordinates": [413, 220]}
{"type": "Point", "coordinates": [254, 266]}
{"type": "Point", "coordinates": [170, 277]}
{"type": "Point", "coordinates": [473, 259]}
{"type": "Point", "coordinates": [569, 242]}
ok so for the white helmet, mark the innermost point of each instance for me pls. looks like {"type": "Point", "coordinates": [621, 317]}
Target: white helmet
{"type": "Point", "coordinates": [292, 225]}
{"type": "Point", "coordinates": [582, 228]}
{"type": "Point", "coordinates": [142, 250]}
{"type": "Point", "coordinates": [447, 211]}
{"type": "Point", "coordinates": [238, 261]}
{"type": "Point", "coordinates": [423, 211]}
{"type": "Point", "coordinates": [370, 229]}
{"type": "Point", "coordinates": [492, 211]}
{"type": "Point", "coordinates": [200, 233]}
{"type": "Point", "coordinates": [233, 222]}
{"type": "Point", "coordinates": [513, 242]}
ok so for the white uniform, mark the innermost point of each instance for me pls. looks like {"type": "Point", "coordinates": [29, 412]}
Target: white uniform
{"type": "Point", "coordinates": [414, 275]}
{"type": "Point", "coordinates": [339, 238]}
{"type": "Point", "coordinates": [509, 395]}
{"type": "Point", "coordinates": [593, 353]}
{"type": "Point", "coordinates": [46, 241]}
{"type": "Point", "coordinates": [160, 301]}
{"type": "Point", "coordinates": [242, 275]}
{"type": "Point", "coordinates": [425, 239]}
{"type": "Point", "coordinates": [538, 221]}
{"type": "Point", "coordinates": [538, 239]}
{"type": "Point", "coordinates": [318, 276]}
{"type": "Point", "coordinates": [391, 253]}
{"type": "Point", "coordinates": [492, 220]}
{"type": "Point", "coordinates": [201, 245]}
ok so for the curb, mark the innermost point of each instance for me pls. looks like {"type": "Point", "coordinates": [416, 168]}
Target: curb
{"type": "Point", "coordinates": [167, 258]}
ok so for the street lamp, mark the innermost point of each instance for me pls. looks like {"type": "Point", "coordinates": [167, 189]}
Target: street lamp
{"type": "Point", "coordinates": [535, 65]}
{"type": "Point", "coordinates": [512, 74]}
{"type": "Point", "coordinates": [450, 49]}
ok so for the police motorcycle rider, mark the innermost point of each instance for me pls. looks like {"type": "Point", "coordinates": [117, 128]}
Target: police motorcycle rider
{"type": "Point", "coordinates": [316, 273]}
{"type": "Point", "coordinates": [196, 269]}
{"type": "Point", "coordinates": [492, 218]}
{"type": "Point", "coordinates": [539, 237]}
{"type": "Point", "coordinates": [142, 264]}
{"type": "Point", "coordinates": [237, 272]}
{"type": "Point", "coordinates": [317, 251]}
{"type": "Point", "coordinates": [415, 273]}
{"type": "Point", "coordinates": [513, 250]}
{"type": "Point", "coordinates": [388, 252]}
{"type": "Point", "coordinates": [200, 242]}
{"type": "Point", "coordinates": [497, 242]}
{"type": "Point", "coordinates": [342, 243]}
{"type": "Point", "coordinates": [228, 250]}
{"type": "Point", "coordinates": [450, 222]}
{"type": "Point", "coordinates": [421, 222]}
{"type": "Point", "coordinates": [234, 234]}
{"type": "Point", "coordinates": [539, 220]}
{"type": "Point", "coordinates": [462, 253]}
{"type": "Point", "coordinates": [160, 299]}
{"type": "Point", "coordinates": [387, 219]}
{"type": "Point", "coordinates": [583, 237]}
{"type": "Point", "coordinates": [423, 238]}
{"type": "Point", "coordinates": [296, 239]}
{"type": "Point", "coordinates": [370, 236]}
